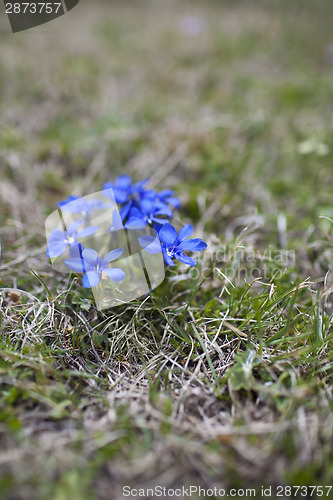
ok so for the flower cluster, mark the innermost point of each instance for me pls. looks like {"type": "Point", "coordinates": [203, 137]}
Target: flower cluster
{"type": "Point", "coordinates": [141, 206]}
{"type": "Point", "coordinates": [132, 207]}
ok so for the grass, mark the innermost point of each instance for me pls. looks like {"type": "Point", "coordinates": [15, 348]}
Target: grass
{"type": "Point", "coordinates": [220, 377]}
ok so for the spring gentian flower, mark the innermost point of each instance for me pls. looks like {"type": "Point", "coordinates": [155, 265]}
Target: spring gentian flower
{"type": "Point", "coordinates": [96, 268]}
{"type": "Point", "coordinates": [173, 245]}
{"type": "Point", "coordinates": [166, 196]}
{"type": "Point", "coordinates": [139, 205]}
{"type": "Point", "coordinates": [59, 241]}
{"type": "Point", "coordinates": [161, 200]}
{"type": "Point", "coordinates": [146, 213]}
{"type": "Point", "coordinates": [123, 189]}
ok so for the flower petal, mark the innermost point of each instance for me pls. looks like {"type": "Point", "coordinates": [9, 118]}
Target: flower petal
{"type": "Point", "coordinates": [90, 255]}
{"type": "Point", "coordinates": [120, 195]}
{"type": "Point", "coordinates": [74, 206]}
{"type": "Point", "coordinates": [150, 244]}
{"type": "Point", "coordinates": [185, 259]}
{"type": "Point", "coordinates": [117, 222]}
{"type": "Point", "coordinates": [165, 194]}
{"type": "Point", "coordinates": [55, 249]}
{"type": "Point", "coordinates": [185, 232]}
{"type": "Point", "coordinates": [189, 245]}
{"type": "Point", "coordinates": [175, 202]}
{"type": "Point", "coordinates": [90, 279]}
{"type": "Point", "coordinates": [108, 190]}
{"type": "Point", "coordinates": [75, 251]}
{"type": "Point", "coordinates": [68, 200]}
{"type": "Point", "coordinates": [115, 274]}
{"type": "Point", "coordinates": [135, 223]}
{"type": "Point", "coordinates": [56, 236]}
{"type": "Point", "coordinates": [124, 210]}
{"type": "Point", "coordinates": [168, 260]}
{"type": "Point", "coordinates": [201, 246]}
{"type": "Point", "coordinates": [113, 255]}
{"type": "Point", "coordinates": [76, 265]}
{"type": "Point", "coordinates": [73, 227]}
{"type": "Point", "coordinates": [147, 205]}
{"type": "Point", "coordinates": [135, 213]}
{"type": "Point", "coordinates": [139, 187]}
{"type": "Point", "coordinates": [159, 221]}
{"type": "Point", "coordinates": [167, 234]}
{"type": "Point", "coordinates": [164, 210]}
{"type": "Point", "coordinates": [124, 181]}
{"type": "Point", "coordinates": [150, 194]}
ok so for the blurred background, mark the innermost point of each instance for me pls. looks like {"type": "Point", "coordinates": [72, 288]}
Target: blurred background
{"type": "Point", "coordinates": [227, 102]}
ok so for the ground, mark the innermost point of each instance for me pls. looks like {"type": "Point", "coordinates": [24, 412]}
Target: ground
{"type": "Point", "coordinates": [217, 379]}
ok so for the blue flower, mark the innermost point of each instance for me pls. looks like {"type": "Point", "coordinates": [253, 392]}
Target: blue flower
{"type": "Point", "coordinates": [123, 189]}
{"type": "Point", "coordinates": [96, 268]}
{"type": "Point", "coordinates": [59, 241]}
{"type": "Point", "coordinates": [139, 205]}
{"type": "Point", "coordinates": [166, 196]}
{"type": "Point", "coordinates": [78, 205]}
{"type": "Point", "coordinates": [173, 245]}
{"type": "Point", "coordinates": [147, 212]}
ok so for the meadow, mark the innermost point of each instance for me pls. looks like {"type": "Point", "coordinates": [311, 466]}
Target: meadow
{"type": "Point", "coordinates": [222, 376]}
